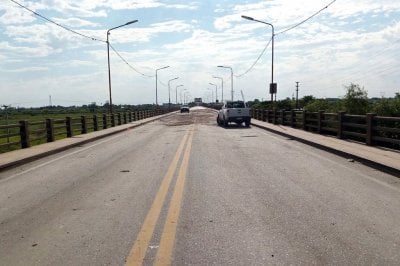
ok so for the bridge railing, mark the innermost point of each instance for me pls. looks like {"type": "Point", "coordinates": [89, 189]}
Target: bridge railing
{"type": "Point", "coordinates": [369, 129]}
{"type": "Point", "coordinates": [29, 133]}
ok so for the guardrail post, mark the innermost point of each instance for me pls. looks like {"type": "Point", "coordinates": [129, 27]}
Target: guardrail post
{"type": "Point", "coordinates": [320, 118]}
{"type": "Point", "coordinates": [83, 125]}
{"type": "Point", "coordinates": [125, 118]}
{"type": "Point", "coordinates": [292, 118]}
{"type": "Point", "coordinates": [119, 120]}
{"type": "Point", "coordinates": [130, 117]}
{"type": "Point", "coordinates": [304, 120]}
{"type": "Point", "coordinates": [104, 121]}
{"type": "Point", "coordinates": [24, 134]}
{"type": "Point", "coordinates": [283, 115]}
{"type": "Point", "coordinates": [274, 120]}
{"type": "Point", "coordinates": [68, 124]}
{"type": "Point", "coordinates": [95, 123]}
{"type": "Point", "coordinates": [112, 120]}
{"type": "Point", "coordinates": [50, 130]}
{"type": "Point", "coordinates": [370, 129]}
{"type": "Point", "coordinates": [340, 124]}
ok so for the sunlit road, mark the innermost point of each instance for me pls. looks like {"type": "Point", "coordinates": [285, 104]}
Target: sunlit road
{"type": "Point", "coordinates": [184, 191]}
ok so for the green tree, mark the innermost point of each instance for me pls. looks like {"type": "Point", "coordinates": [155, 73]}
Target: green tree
{"type": "Point", "coordinates": [317, 105]}
{"type": "Point", "coordinates": [306, 100]}
{"type": "Point", "coordinates": [387, 106]}
{"type": "Point", "coordinates": [356, 100]}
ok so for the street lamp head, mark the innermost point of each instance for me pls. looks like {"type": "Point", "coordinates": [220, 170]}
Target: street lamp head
{"type": "Point", "coordinates": [212, 84]}
{"type": "Point", "coordinates": [162, 68]}
{"type": "Point", "coordinates": [131, 22]}
{"type": "Point", "coordinates": [247, 17]}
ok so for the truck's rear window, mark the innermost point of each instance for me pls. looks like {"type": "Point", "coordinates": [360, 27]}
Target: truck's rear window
{"type": "Point", "coordinates": [235, 105]}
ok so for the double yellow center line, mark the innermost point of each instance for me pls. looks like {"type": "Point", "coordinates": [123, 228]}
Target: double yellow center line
{"type": "Point", "coordinates": [164, 254]}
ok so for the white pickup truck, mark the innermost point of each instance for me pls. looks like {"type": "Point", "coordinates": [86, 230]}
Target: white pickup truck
{"type": "Point", "coordinates": [234, 111]}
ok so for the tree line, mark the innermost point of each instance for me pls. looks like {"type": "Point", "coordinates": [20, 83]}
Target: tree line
{"type": "Point", "coordinates": [355, 101]}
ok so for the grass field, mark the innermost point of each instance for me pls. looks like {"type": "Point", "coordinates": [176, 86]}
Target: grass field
{"type": "Point", "coordinates": [38, 126]}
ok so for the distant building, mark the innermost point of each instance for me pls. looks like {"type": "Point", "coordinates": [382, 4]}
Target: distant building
{"type": "Point", "coordinates": [198, 100]}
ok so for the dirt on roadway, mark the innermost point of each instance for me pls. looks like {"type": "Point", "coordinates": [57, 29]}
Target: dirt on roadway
{"type": "Point", "coordinates": [197, 115]}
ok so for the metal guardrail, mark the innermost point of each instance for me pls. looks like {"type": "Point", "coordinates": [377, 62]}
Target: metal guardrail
{"type": "Point", "coordinates": [28, 133]}
{"type": "Point", "coordinates": [370, 128]}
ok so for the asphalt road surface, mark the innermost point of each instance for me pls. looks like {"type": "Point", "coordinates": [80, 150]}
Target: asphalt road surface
{"type": "Point", "coordinates": [184, 191]}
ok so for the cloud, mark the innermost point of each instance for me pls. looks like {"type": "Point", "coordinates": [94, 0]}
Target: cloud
{"type": "Point", "coordinates": [346, 41]}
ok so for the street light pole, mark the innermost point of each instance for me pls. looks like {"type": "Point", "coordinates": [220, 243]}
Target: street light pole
{"type": "Point", "coordinates": [157, 83]}
{"type": "Point", "coordinates": [176, 93]}
{"type": "Point", "coordinates": [212, 94]}
{"type": "Point", "coordinates": [216, 95]}
{"type": "Point", "coordinates": [272, 86]}
{"type": "Point", "coordinates": [181, 94]}
{"type": "Point", "coordinates": [222, 87]}
{"type": "Point", "coordinates": [231, 79]}
{"type": "Point", "coordinates": [169, 91]}
{"type": "Point", "coordinates": [108, 58]}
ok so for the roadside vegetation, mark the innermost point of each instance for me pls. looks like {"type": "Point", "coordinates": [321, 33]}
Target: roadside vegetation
{"type": "Point", "coordinates": [355, 101]}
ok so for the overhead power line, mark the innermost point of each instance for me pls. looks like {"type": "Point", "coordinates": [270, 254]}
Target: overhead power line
{"type": "Point", "coordinates": [281, 32]}
{"type": "Point", "coordinates": [255, 62]}
{"type": "Point", "coordinates": [307, 19]}
{"type": "Point", "coordinates": [126, 62]}
{"type": "Point", "coordinates": [55, 23]}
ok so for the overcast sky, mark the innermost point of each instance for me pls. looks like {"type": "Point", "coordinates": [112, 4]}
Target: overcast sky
{"type": "Point", "coordinates": [351, 41]}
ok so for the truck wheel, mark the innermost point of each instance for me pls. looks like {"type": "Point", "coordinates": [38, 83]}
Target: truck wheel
{"type": "Point", "coordinates": [218, 121]}
{"type": "Point", "coordinates": [225, 122]}
{"type": "Point", "coordinates": [247, 123]}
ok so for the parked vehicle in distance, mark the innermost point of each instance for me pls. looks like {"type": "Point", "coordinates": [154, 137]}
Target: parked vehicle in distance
{"type": "Point", "coordinates": [185, 108]}
{"type": "Point", "coordinates": [234, 111]}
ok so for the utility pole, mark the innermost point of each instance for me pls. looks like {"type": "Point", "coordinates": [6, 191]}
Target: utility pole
{"type": "Point", "coordinates": [297, 94]}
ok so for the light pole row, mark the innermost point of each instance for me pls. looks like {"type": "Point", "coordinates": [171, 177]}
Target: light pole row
{"type": "Point", "coordinates": [272, 87]}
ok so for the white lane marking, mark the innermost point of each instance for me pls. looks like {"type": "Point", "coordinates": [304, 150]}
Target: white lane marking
{"type": "Point", "coordinates": [57, 159]}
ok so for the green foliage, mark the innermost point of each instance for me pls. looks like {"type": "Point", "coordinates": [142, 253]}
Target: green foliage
{"type": "Point", "coordinates": [322, 105]}
{"type": "Point", "coordinates": [387, 107]}
{"type": "Point", "coordinates": [286, 104]}
{"type": "Point", "coordinates": [306, 100]}
{"type": "Point", "coordinates": [356, 100]}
